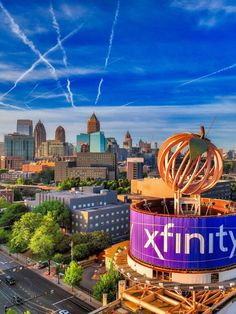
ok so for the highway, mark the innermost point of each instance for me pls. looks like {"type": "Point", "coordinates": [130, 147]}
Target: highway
{"type": "Point", "coordinates": [36, 292]}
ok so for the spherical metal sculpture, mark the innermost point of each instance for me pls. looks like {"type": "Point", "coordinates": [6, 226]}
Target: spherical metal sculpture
{"type": "Point", "coordinates": [200, 163]}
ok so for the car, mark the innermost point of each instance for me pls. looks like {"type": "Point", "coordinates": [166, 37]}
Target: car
{"type": "Point", "coordinates": [10, 280]}
{"type": "Point", "coordinates": [17, 300]}
{"type": "Point", "coordinates": [43, 264]}
{"type": "Point", "coordinates": [63, 312]}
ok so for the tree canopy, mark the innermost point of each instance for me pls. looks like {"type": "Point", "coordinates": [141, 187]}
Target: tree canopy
{"type": "Point", "coordinates": [73, 274]}
{"type": "Point", "coordinates": [12, 213]}
{"type": "Point", "coordinates": [23, 231]}
{"type": "Point", "coordinates": [59, 211]}
{"type": "Point", "coordinates": [107, 284]}
{"type": "Point", "coordinates": [46, 238]}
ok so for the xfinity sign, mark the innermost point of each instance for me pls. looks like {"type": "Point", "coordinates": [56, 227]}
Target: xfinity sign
{"type": "Point", "coordinates": [184, 242]}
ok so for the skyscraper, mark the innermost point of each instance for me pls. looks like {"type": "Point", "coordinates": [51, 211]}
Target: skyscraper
{"type": "Point", "coordinates": [127, 144]}
{"type": "Point", "coordinates": [25, 127]}
{"type": "Point", "coordinates": [93, 124]}
{"type": "Point", "coordinates": [39, 136]}
{"type": "Point", "coordinates": [60, 134]}
{"type": "Point", "coordinates": [19, 145]}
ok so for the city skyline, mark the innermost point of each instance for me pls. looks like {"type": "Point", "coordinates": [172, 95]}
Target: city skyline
{"type": "Point", "coordinates": [170, 65]}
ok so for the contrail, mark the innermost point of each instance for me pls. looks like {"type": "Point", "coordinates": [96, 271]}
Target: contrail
{"type": "Point", "coordinates": [32, 90]}
{"type": "Point", "coordinates": [15, 28]}
{"type": "Point", "coordinates": [109, 49]}
{"type": "Point", "coordinates": [208, 75]}
{"type": "Point", "coordinates": [129, 103]}
{"type": "Point", "coordinates": [64, 56]}
{"type": "Point", "coordinates": [11, 106]}
{"type": "Point", "coordinates": [99, 90]}
{"type": "Point", "coordinates": [22, 76]}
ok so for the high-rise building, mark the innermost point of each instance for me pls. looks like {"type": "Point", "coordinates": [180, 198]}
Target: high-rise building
{"type": "Point", "coordinates": [98, 143]}
{"type": "Point", "coordinates": [60, 134]}
{"type": "Point", "coordinates": [93, 124]}
{"type": "Point", "coordinates": [54, 149]}
{"type": "Point", "coordinates": [83, 141]}
{"type": "Point", "coordinates": [39, 136]}
{"type": "Point", "coordinates": [19, 145]}
{"type": "Point", "coordinates": [25, 127]}
{"type": "Point", "coordinates": [87, 165]}
{"type": "Point", "coordinates": [135, 168]}
{"type": "Point", "coordinates": [127, 144]}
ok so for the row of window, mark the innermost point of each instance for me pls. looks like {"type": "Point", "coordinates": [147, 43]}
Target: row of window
{"type": "Point", "coordinates": [90, 205]}
{"type": "Point", "coordinates": [108, 214]}
{"type": "Point", "coordinates": [112, 228]}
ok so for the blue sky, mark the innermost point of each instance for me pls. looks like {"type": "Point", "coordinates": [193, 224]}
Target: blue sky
{"type": "Point", "coordinates": [163, 66]}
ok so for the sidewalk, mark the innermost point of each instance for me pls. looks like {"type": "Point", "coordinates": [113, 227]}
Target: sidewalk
{"type": "Point", "coordinates": [76, 291]}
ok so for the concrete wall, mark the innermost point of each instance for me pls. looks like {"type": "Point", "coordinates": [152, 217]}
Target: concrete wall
{"type": "Point", "coordinates": [154, 187]}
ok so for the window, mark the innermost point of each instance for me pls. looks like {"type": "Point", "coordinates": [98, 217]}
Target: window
{"type": "Point", "coordinates": [102, 215]}
{"type": "Point", "coordinates": [91, 226]}
{"type": "Point", "coordinates": [105, 203]}
{"type": "Point", "coordinates": [107, 221]}
{"type": "Point", "coordinates": [84, 205]}
{"type": "Point", "coordinates": [96, 216]}
{"type": "Point", "coordinates": [122, 212]}
{"type": "Point", "coordinates": [126, 218]}
{"type": "Point", "coordinates": [117, 227]}
{"type": "Point", "coordinates": [74, 206]}
{"type": "Point", "coordinates": [102, 223]}
{"type": "Point", "coordinates": [112, 228]}
{"type": "Point", "coordinates": [81, 217]}
{"type": "Point", "coordinates": [117, 213]}
{"type": "Point", "coordinates": [122, 226]}
{"type": "Point", "coordinates": [107, 214]}
{"type": "Point", "coordinates": [122, 219]}
{"type": "Point", "coordinates": [91, 217]}
{"type": "Point", "coordinates": [112, 214]}
{"type": "Point", "coordinates": [107, 229]}
{"type": "Point", "coordinates": [117, 219]}
{"type": "Point", "coordinates": [77, 216]}
{"type": "Point", "coordinates": [127, 211]}
{"type": "Point", "coordinates": [80, 206]}
{"type": "Point", "coordinates": [77, 224]}
{"type": "Point", "coordinates": [88, 204]}
{"type": "Point", "coordinates": [101, 203]}
{"type": "Point", "coordinates": [96, 225]}
{"type": "Point", "coordinates": [126, 225]}
{"type": "Point", "coordinates": [113, 220]}
{"type": "Point", "coordinates": [92, 204]}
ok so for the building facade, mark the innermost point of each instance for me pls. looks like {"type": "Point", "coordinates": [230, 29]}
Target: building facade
{"type": "Point", "coordinates": [19, 145]}
{"type": "Point", "coordinates": [60, 134]}
{"type": "Point", "coordinates": [24, 127]}
{"type": "Point", "coordinates": [53, 149]}
{"type": "Point", "coordinates": [127, 144]}
{"type": "Point", "coordinates": [93, 124]}
{"type": "Point", "coordinates": [39, 136]}
{"type": "Point", "coordinates": [93, 209]}
{"type": "Point", "coordinates": [135, 168]}
{"type": "Point", "coordinates": [11, 163]}
{"type": "Point", "coordinates": [87, 165]}
{"type": "Point", "coordinates": [98, 143]}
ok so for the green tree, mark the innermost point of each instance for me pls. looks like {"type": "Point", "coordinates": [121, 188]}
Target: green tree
{"type": "Point", "coordinates": [59, 211]}
{"type": "Point", "coordinates": [23, 231]}
{"type": "Point", "coordinates": [100, 240]}
{"type": "Point", "coordinates": [20, 181]}
{"type": "Point", "coordinates": [46, 238]}
{"type": "Point", "coordinates": [73, 274]}
{"type": "Point", "coordinates": [12, 213]}
{"type": "Point", "coordinates": [4, 236]}
{"type": "Point", "coordinates": [107, 284]}
{"type": "Point", "coordinates": [46, 176]}
{"type": "Point", "coordinates": [81, 251]}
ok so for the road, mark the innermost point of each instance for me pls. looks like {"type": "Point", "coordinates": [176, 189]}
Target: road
{"type": "Point", "coordinates": [28, 285]}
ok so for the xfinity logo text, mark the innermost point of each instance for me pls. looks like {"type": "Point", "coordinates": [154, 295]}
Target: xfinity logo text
{"type": "Point", "coordinates": [179, 243]}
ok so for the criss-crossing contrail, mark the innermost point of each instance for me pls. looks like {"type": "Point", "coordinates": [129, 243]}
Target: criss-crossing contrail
{"type": "Point", "coordinates": [210, 74]}
{"type": "Point", "coordinates": [11, 106]}
{"type": "Point", "coordinates": [109, 48]}
{"type": "Point", "coordinates": [23, 75]}
{"type": "Point", "coordinates": [15, 28]}
{"type": "Point", "coordinates": [64, 55]}
{"type": "Point", "coordinates": [31, 91]}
